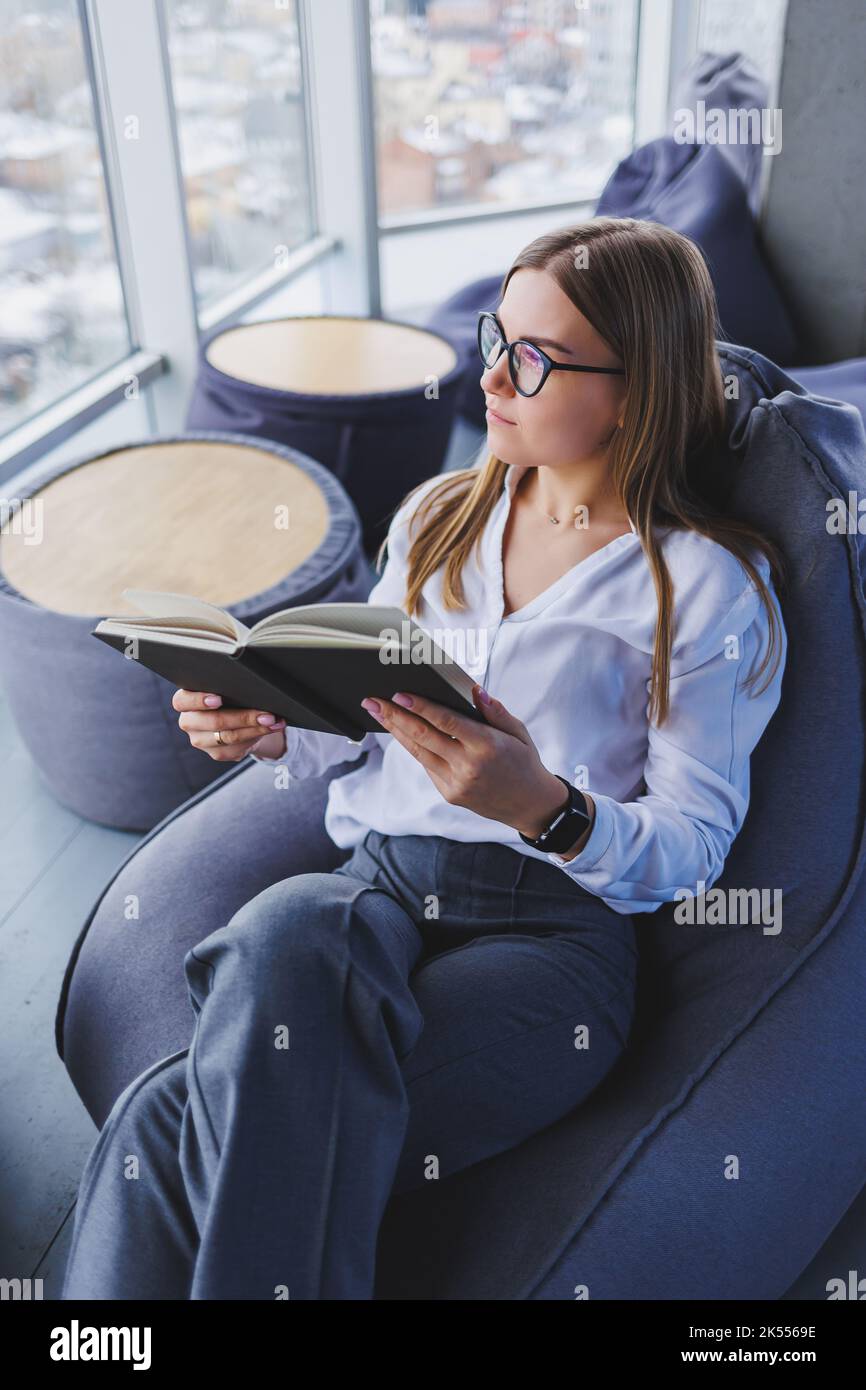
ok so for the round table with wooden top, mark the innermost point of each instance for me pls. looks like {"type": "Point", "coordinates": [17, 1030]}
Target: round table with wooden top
{"type": "Point", "coordinates": [372, 399]}
{"type": "Point", "coordinates": [250, 526]}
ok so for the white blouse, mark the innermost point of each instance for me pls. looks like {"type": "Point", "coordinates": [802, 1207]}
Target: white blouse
{"type": "Point", "coordinates": [574, 665]}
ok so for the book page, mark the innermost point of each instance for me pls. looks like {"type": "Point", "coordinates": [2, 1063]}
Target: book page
{"type": "Point", "coordinates": [189, 641]}
{"type": "Point", "coordinates": [313, 637]}
{"type": "Point", "coordinates": [157, 628]}
{"type": "Point", "coordinates": [186, 609]}
{"type": "Point", "coordinates": [365, 618]}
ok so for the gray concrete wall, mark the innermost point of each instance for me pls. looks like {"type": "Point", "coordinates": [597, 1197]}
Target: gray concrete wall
{"type": "Point", "coordinates": [814, 216]}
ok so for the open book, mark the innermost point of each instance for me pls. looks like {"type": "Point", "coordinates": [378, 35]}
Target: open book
{"type": "Point", "coordinates": [312, 666]}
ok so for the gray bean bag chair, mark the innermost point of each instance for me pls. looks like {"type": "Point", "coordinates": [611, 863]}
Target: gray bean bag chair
{"type": "Point", "coordinates": [729, 1142]}
{"type": "Point", "coordinates": [840, 381]}
{"type": "Point", "coordinates": [728, 81]}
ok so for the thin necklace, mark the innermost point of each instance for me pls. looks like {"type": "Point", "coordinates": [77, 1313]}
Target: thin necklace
{"type": "Point", "coordinates": [552, 519]}
{"type": "Point", "coordinates": [555, 519]}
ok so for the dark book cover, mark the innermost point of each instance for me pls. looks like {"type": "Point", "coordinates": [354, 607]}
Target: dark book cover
{"type": "Point", "coordinates": [319, 688]}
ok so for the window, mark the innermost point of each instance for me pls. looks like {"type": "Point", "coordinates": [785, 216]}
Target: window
{"type": "Point", "coordinates": [237, 82]}
{"type": "Point", "coordinates": [62, 317]}
{"type": "Point", "coordinates": [754, 30]}
{"type": "Point", "coordinates": [484, 101]}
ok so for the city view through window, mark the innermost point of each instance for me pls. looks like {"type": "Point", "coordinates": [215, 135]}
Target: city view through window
{"type": "Point", "coordinates": [62, 316]}
{"type": "Point", "coordinates": [500, 101]}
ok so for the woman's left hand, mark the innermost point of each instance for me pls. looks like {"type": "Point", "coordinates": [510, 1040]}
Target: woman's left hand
{"type": "Point", "coordinates": [492, 769]}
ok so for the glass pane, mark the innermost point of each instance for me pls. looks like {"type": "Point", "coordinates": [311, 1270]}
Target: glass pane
{"type": "Point", "coordinates": [238, 92]}
{"type": "Point", "coordinates": [757, 31]}
{"type": "Point", "coordinates": [62, 317]}
{"type": "Point", "coordinates": [494, 102]}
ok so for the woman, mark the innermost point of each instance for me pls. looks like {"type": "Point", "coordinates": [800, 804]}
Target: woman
{"type": "Point", "coordinates": [466, 976]}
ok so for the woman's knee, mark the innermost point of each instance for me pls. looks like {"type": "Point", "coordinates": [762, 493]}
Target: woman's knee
{"type": "Point", "coordinates": [298, 920]}
{"type": "Point", "coordinates": [151, 1106]}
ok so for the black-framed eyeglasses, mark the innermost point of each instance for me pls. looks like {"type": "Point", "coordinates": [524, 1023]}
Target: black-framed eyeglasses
{"type": "Point", "coordinates": [528, 366]}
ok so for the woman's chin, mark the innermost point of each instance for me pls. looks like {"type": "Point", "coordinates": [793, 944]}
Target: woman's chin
{"type": "Point", "coordinates": [498, 441]}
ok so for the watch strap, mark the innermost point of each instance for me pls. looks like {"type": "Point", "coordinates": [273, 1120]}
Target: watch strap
{"type": "Point", "coordinates": [567, 825]}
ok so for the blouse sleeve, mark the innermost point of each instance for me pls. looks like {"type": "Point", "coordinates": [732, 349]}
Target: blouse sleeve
{"type": "Point", "coordinates": [677, 833]}
{"type": "Point", "coordinates": [310, 752]}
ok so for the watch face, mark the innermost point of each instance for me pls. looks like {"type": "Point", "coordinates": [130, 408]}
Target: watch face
{"type": "Point", "coordinates": [554, 824]}
{"type": "Point", "coordinates": [571, 825]}
{"type": "Point", "coordinates": [570, 829]}
{"type": "Point", "coordinates": [567, 827]}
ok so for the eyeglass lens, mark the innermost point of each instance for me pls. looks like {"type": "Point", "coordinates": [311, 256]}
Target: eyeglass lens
{"type": "Point", "coordinates": [528, 365]}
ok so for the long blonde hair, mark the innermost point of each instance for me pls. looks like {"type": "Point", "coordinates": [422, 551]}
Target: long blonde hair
{"type": "Point", "coordinates": [648, 293]}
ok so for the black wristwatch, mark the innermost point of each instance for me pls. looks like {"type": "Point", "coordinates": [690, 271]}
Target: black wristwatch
{"type": "Point", "coordinates": [567, 826]}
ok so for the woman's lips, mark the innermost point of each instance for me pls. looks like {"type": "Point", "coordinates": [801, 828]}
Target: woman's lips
{"type": "Point", "coordinates": [498, 419]}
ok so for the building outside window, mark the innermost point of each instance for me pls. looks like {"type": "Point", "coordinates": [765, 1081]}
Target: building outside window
{"type": "Point", "coordinates": [483, 101]}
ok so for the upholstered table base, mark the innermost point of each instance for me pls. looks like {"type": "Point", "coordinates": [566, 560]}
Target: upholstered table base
{"type": "Point", "coordinates": [253, 527]}
{"type": "Point", "coordinates": [370, 399]}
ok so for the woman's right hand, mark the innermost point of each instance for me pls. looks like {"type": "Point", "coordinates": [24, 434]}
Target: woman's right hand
{"type": "Point", "coordinates": [242, 731]}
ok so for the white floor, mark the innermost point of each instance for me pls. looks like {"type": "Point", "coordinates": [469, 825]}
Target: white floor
{"type": "Point", "coordinates": [52, 866]}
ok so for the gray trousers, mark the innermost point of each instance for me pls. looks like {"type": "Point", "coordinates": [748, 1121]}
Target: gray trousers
{"type": "Point", "coordinates": [358, 1033]}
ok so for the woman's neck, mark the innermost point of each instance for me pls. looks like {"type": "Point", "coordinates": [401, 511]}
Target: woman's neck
{"type": "Point", "coordinates": [558, 491]}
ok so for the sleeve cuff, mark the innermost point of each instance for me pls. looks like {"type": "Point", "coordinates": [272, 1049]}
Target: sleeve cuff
{"type": "Point", "coordinates": [292, 740]}
{"type": "Point", "coordinates": [598, 843]}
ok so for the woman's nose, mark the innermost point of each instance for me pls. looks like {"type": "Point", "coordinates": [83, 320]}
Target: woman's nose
{"type": "Point", "coordinates": [497, 378]}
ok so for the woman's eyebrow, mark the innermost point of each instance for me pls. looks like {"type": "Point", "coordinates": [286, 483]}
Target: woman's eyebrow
{"type": "Point", "coordinates": [549, 342]}
{"type": "Point", "coordinates": [543, 342]}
